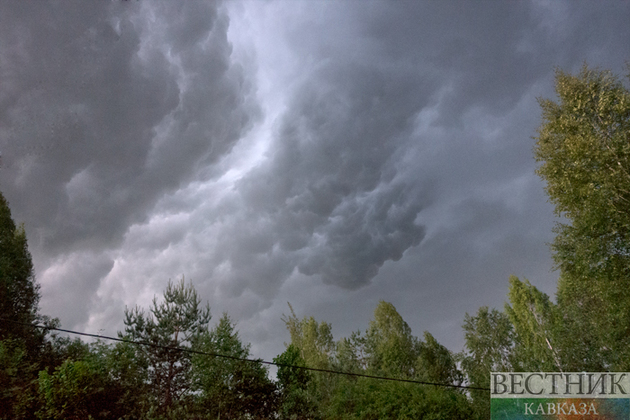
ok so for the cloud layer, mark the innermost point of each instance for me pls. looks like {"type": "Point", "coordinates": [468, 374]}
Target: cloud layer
{"type": "Point", "coordinates": [327, 153]}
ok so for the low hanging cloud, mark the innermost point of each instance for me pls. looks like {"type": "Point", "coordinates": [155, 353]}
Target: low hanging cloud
{"type": "Point", "coordinates": [332, 185]}
{"type": "Point", "coordinates": [109, 108]}
{"type": "Point", "coordinates": [327, 153]}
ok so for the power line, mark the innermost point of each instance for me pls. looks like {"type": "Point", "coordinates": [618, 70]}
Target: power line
{"type": "Point", "coordinates": [243, 359]}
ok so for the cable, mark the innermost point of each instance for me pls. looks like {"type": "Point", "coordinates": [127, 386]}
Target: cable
{"type": "Point", "coordinates": [226, 356]}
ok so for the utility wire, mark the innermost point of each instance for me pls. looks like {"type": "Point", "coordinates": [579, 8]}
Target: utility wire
{"type": "Point", "coordinates": [227, 356]}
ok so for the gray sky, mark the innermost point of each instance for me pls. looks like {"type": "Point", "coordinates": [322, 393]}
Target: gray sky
{"type": "Point", "coordinates": [325, 153]}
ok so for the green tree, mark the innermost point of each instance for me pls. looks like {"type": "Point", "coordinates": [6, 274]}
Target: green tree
{"type": "Point", "coordinates": [489, 347]}
{"type": "Point", "coordinates": [583, 146]}
{"type": "Point", "coordinates": [391, 349]}
{"type": "Point", "coordinates": [18, 381]}
{"type": "Point", "coordinates": [23, 348]}
{"type": "Point", "coordinates": [350, 354]}
{"type": "Point", "coordinates": [436, 363]}
{"type": "Point", "coordinates": [293, 384]}
{"type": "Point", "coordinates": [365, 398]}
{"type": "Point", "coordinates": [19, 293]}
{"type": "Point", "coordinates": [535, 320]}
{"type": "Point", "coordinates": [177, 322]}
{"type": "Point", "coordinates": [387, 348]}
{"type": "Point", "coordinates": [371, 399]}
{"type": "Point", "coordinates": [131, 373]}
{"type": "Point", "coordinates": [231, 388]}
{"type": "Point", "coordinates": [314, 340]}
{"type": "Point", "coordinates": [82, 389]}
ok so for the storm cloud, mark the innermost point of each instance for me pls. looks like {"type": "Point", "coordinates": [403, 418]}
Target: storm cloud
{"type": "Point", "coordinates": [330, 154]}
{"type": "Point", "coordinates": [110, 107]}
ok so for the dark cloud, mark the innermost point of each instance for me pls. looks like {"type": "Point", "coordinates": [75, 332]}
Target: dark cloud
{"type": "Point", "coordinates": [335, 184]}
{"type": "Point", "coordinates": [330, 185]}
{"type": "Point", "coordinates": [328, 153]}
{"type": "Point", "coordinates": [112, 107]}
{"type": "Point", "coordinates": [70, 287]}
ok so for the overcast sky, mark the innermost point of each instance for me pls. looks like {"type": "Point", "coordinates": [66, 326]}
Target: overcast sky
{"type": "Point", "coordinates": [329, 154]}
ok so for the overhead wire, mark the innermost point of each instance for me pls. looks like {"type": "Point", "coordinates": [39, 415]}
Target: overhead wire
{"type": "Point", "coordinates": [243, 359]}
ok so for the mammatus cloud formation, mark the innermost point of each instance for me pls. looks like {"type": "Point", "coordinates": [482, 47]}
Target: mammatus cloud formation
{"type": "Point", "coordinates": [327, 153]}
{"type": "Point", "coordinates": [112, 107]}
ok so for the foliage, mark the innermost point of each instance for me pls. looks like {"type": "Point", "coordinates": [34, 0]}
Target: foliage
{"type": "Point", "coordinates": [23, 348]}
{"type": "Point", "coordinates": [293, 384]}
{"type": "Point", "coordinates": [536, 328]}
{"type": "Point", "coordinates": [18, 385]}
{"type": "Point", "coordinates": [314, 340]}
{"type": "Point", "coordinates": [387, 348]}
{"type": "Point", "coordinates": [436, 363]}
{"type": "Point", "coordinates": [177, 322]}
{"type": "Point", "coordinates": [79, 390]}
{"type": "Point", "coordinates": [489, 342]}
{"type": "Point", "coordinates": [391, 348]}
{"type": "Point", "coordinates": [131, 374]}
{"type": "Point", "coordinates": [369, 399]}
{"type": "Point", "coordinates": [583, 145]}
{"type": "Point", "coordinates": [317, 348]}
{"type": "Point", "coordinates": [19, 293]}
{"type": "Point", "coordinates": [229, 387]}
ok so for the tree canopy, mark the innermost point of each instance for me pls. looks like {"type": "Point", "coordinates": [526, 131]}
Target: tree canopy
{"type": "Point", "coordinates": [583, 146]}
{"type": "Point", "coordinates": [387, 348]}
{"type": "Point", "coordinates": [19, 293]}
{"type": "Point", "coordinates": [22, 347]}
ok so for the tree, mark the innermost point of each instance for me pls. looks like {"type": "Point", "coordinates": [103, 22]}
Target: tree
{"type": "Point", "coordinates": [489, 347]}
{"type": "Point", "coordinates": [19, 293]}
{"type": "Point", "coordinates": [177, 322]}
{"type": "Point", "coordinates": [316, 346]}
{"type": "Point", "coordinates": [387, 348]}
{"type": "Point", "coordinates": [371, 399]}
{"type": "Point", "coordinates": [293, 384]}
{"type": "Point", "coordinates": [314, 340]}
{"type": "Point", "coordinates": [129, 369]}
{"type": "Point", "coordinates": [583, 145]}
{"type": "Point", "coordinates": [391, 348]}
{"type": "Point", "coordinates": [436, 363]}
{"type": "Point", "coordinates": [230, 387]}
{"type": "Point", "coordinates": [18, 387]}
{"type": "Point", "coordinates": [22, 347]}
{"type": "Point", "coordinates": [536, 328]}
{"type": "Point", "coordinates": [81, 389]}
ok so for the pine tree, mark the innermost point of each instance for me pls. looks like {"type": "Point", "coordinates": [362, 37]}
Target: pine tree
{"type": "Point", "coordinates": [177, 322]}
{"type": "Point", "coordinates": [21, 345]}
{"type": "Point", "coordinates": [19, 294]}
